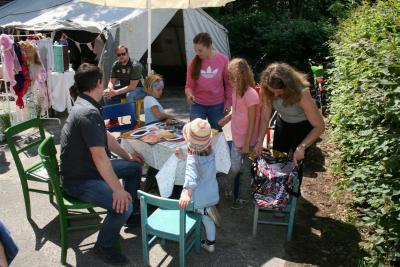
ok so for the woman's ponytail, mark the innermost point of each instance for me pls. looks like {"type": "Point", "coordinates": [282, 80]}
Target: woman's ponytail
{"type": "Point", "coordinates": [196, 66]}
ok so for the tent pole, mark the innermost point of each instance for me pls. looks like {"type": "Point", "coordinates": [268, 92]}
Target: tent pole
{"type": "Point", "coordinates": [148, 37]}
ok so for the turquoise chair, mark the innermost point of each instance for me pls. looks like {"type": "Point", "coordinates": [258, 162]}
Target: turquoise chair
{"type": "Point", "coordinates": [288, 213]}
{"type": "Point", "coordinates": [168, 222]}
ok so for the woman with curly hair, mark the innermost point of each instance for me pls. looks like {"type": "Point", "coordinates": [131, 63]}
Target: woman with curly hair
{"type": "Point", "coordinates": [299, 122]}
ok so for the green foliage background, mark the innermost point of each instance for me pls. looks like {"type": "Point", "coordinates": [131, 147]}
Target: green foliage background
{"type": "Point", "coordinates": [258, 27]}
{"type": "Point", "coordinates": [365, 116]}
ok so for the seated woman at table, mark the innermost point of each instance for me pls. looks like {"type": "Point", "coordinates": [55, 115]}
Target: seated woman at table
{"type": "Point", "coordinates": [200, 178]}
{"type": "Point", "coordinates": [153, 111]}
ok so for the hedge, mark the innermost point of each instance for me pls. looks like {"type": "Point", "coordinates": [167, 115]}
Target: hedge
{"type": "Point", "coordinates": [365, 119]}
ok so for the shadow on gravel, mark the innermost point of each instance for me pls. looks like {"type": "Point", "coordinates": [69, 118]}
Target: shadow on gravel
{"type": "Point", "coordinates": [4, 164]}
{"type": "Point", "coordinates": [329, 242]}
{"type": "Point", "coordinates": [314, 162]}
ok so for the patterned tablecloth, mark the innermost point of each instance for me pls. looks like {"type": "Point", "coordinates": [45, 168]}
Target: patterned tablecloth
{"type": "Point", "coordinates": [171, 169]}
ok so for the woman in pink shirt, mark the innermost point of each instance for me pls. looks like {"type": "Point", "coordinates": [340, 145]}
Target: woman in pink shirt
{"type": "Point", "coordinates": [245, 120]}
{"type": "Point", "coordinates": [207, 87]}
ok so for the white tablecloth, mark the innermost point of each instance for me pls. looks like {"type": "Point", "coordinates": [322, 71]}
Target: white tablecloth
{"type": "Point", "coordinates": [59, 84]}
{"type": "Point", "coordinates": [171, 169]}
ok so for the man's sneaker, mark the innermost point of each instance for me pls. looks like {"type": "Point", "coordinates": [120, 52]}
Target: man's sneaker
{"type": "Point", "coordinates": [208, 245]}
{"type": "Point", "coordinates": [111, 255]}
{"type": "Point", "coordinates": [239, 204]}
{"type": "Point", "coordinates": [214, 215]}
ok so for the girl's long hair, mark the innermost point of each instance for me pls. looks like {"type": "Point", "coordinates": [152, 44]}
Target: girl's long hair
{"type": "Point", "coordinates": [283, 76]}
{"type": "Point", "coordinates": [204, 39]}
{"type": "Point", "coordinates": [86, 78]}
{"type": "Point", "coordinates": [240, 75]}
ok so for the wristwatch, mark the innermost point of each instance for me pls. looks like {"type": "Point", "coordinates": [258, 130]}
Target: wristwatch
{"type": "Point", "coordinates": [303, 146]}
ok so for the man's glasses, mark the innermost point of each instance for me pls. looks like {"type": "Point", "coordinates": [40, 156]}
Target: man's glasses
{"type": "Point", "coordinates": [121, 54]}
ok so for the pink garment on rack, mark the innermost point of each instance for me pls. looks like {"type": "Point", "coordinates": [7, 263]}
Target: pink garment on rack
{"type": "Point", "coordinates": [39, 78]}
{"type": "Point", "coordinates": [7, 56]}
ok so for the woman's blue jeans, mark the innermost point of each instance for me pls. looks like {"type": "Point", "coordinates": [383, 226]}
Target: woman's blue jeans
{"type": "Point", "coordinates": [99, 193]}
{"type": "Point", "coordinates": [213, 113]}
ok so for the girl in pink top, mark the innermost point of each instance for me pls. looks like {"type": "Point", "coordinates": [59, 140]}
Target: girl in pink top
{"type": "Point", "coordinates": [207, 87]}
{"type": "Point", "coordinates": [245, 120]}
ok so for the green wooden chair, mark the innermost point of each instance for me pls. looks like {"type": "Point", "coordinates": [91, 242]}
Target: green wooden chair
{"type": "Point", "coordinates": [288, 214]}
{"type": "Point", "coordinates": [35, 172]}
{"type": "Point", "coordinates": [69, 208]}
{"type": "Point", "coordinates": [168, 222]}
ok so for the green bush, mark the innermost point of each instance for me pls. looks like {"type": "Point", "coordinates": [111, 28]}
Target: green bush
{"type": "Point", "coordinates": [365, 116]}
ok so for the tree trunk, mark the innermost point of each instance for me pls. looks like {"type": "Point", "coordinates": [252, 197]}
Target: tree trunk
{"type": "Point", "coordinates": [296, 8]}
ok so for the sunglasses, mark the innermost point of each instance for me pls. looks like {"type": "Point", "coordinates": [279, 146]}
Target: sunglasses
{"type": "Point", "coordinates": [122, 54]}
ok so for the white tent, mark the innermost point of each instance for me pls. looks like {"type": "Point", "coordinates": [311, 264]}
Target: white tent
{"type": "Point", "coordinates": [172, 29]}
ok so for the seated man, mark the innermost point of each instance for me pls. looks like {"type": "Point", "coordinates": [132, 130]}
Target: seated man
{"type": "Point", "coordinates": [125, 81]}
{"type": "Point", "coordinates": [88, 173]}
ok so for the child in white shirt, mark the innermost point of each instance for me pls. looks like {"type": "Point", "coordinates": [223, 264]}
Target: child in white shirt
{"type": "Point", "coordinates": [153, 111]}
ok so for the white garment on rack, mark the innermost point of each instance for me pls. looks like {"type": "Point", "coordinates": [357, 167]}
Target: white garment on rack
{"type": "Point", "coordinates": [58, 85]}
{"type": "Point", "coordinates": [45, 47]}
{"type": "Point", "coordinates": [98, 47]}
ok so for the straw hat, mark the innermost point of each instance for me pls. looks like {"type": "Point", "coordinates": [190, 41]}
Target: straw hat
{"type": "Point", "coordinates": [197, 134]}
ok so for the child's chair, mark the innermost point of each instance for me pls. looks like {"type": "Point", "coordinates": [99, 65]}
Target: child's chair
{"type": "Point", "coordinates": [288, 213]}
{"type": "Point", "coordinates": [168, 222]}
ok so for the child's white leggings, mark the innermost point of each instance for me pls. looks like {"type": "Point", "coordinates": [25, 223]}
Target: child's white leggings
{"type": "Point", "coordinates": [208, 223]}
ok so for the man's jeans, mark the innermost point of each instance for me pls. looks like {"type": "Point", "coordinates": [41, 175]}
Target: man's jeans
{"type": "Point", "coordinates": [99, 193]}
{"type": "Point", "coordinates": [131, 96]}
{"type": "Point", "coordinates": [213, 113]}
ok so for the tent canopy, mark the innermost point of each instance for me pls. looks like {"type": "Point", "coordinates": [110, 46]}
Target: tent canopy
{"type": "Point", "coordinates": [172, 31]}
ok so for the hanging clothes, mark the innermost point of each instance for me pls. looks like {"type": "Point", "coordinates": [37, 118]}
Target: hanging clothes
{"type": "Point", "coordinates": [7, 57]}
{"type": "Point", "coordinates": [38, 82]}
{"type": "Point", "coordinates": [29, 50]}
{"type": "Point", "coordinates": [45, 47]}
{"type": "Point", "coordinates": [98, 47]}
{"type": "Point", "coordinates": [22, 78]}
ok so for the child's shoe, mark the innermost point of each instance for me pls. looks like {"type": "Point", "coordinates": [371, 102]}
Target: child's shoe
{"type": "Point", "coordinates": [208, 245]}
{"type": "Point", "coordinates": [239, 203]}
{"type": "Point", "coordinates": [214, 215]}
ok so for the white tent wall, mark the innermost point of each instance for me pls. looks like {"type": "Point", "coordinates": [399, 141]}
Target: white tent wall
{"type": "Point", "coordinates": [133, 32]}
{"type": "Point", "coordinates": [197, 20]}
{"type": "Point", "coordinates": [172, 46]}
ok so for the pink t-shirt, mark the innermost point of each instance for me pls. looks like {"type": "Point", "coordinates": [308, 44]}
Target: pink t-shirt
{"type": "Point", "coordinates": [240, 122]}
{"type": "Point", "coordinates": [209, 89]}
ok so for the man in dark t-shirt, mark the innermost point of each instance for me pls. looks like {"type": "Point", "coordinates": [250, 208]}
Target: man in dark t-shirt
{"type": "Point", "coordinates": [126, 79]}
{"type": "Point", "coordinates": [87, 171]}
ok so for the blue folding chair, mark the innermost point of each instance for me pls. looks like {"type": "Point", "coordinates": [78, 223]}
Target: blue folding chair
{"type": "Point", "coordinates": [168, 222]}
{"type": "Point", "coordinates": [120, 110]}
